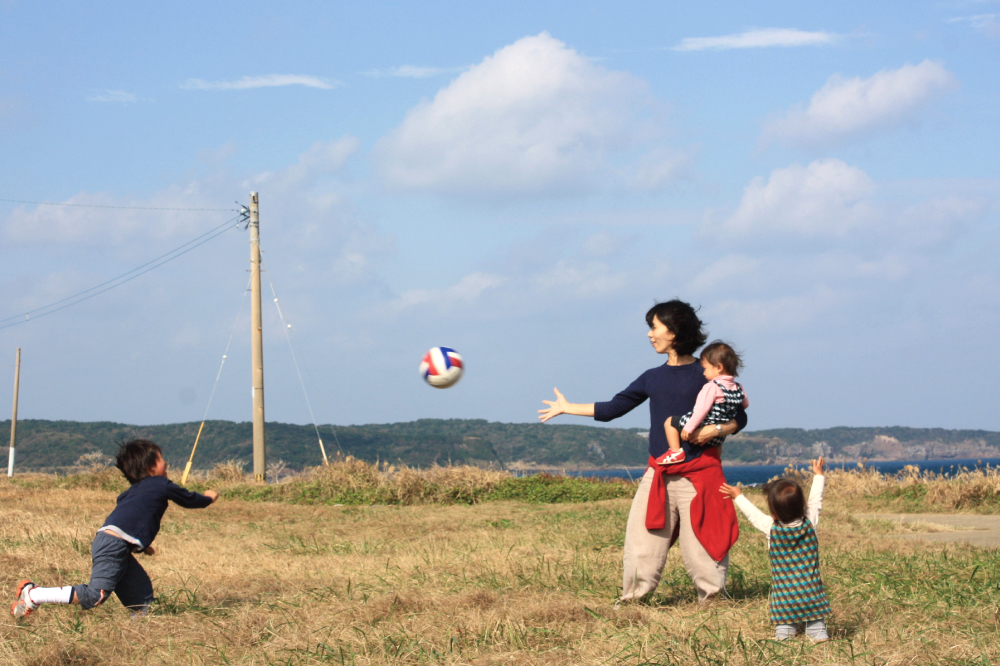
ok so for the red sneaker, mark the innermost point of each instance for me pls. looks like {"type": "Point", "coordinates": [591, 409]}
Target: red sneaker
{"type": "Point", "coordinates": [673, 457]}
{"type": "Point", "coordinates": [23, 605]}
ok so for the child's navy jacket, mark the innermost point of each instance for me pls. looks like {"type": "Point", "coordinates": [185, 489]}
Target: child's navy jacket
{"type": "Point", "coordinates": [141, 507]}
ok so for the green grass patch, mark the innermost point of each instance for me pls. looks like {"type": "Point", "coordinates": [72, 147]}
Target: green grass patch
{"type": "Point", "coordinates": [536, 489]}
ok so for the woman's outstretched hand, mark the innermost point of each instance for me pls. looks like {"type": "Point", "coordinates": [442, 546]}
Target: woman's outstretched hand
{"type": "Point", "coordinates": [555, 408]}
{"type": "Point", "coordinates": [818, 466]}
{"type": "Point", "coordinates": [562, 406]}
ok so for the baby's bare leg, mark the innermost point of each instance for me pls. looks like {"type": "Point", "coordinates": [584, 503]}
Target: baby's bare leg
{"type": "Point", "coordinates": [673, 436]}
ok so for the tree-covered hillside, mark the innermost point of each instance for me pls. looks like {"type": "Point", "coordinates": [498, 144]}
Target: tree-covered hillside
{"type": "Point", "coordinates": [58, 444]}
{"type": "Point", "coordinates": [53, 445]}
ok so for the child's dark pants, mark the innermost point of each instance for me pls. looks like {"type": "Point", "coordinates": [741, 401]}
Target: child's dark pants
{"type": "Point", "coordinates": [115, 570]}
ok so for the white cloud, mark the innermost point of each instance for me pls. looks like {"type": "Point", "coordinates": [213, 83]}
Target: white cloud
{"type": "Point", "coordinates": [100, 218]}
{"type": "Point", "coordinates": [267, 81]}
{"type": "Point", "coordinates": [323, 157]}
{"type": "Point", "coordinates": [604, 244]}
{"type": "Point", "coordinates": [588, 280]}
{"type": "Point", "coordinates": [103, 219]}
{"type": "Point", "coordinates": [120, 96]}
{"type": "Point", "coordinates": [465, 291]}
{"type": "Point", "coordinates": [848, 108]}
{"type": "Point", "coordinates": [757, 38]}
{"type": "Point", "coordinates": [535, 118]}
{"type": "Point", "coordinates": [723, 273]}
{"type": "Point", "coordinates": [830, 200]}
{"type": "Point", "coordinates": [826, 198]}
{"type": "Point", "coordinates": [412, 72]}
{"type": "Point", "coordinates": [661, 166]}
{"type": "Point", "coordinates": [984, 23]}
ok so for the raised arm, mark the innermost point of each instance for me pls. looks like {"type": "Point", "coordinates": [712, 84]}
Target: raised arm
{"type": "Point", "coordinates": [757, 518]}
{"type": "Point", "coordinates": [621, 404]}
{"type": "Point", "coordinates": [562, 406]}
{"type": "Point", "coordinates": [188, 499]}
{"type": "Point", "coordinates": [815, 502]}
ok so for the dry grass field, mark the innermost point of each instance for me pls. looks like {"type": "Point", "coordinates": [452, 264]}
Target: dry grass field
{"type": "Point", "coordinates": [497, 582]}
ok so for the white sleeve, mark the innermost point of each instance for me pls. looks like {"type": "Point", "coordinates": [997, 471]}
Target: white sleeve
{"type": "Point", "coordinates": [757, 518]}
{"type": "Point", "coordinates": [815, 502]}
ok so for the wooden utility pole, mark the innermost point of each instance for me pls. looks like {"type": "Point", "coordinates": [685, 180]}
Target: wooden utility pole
{"type": "Point", "coordinates": [259, 457]}
{"type": "Point", "coordinates": [13, 418]}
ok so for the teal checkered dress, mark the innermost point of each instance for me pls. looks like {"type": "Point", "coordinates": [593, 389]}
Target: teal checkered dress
{"type": "Point", "coordinates": [797, 593]}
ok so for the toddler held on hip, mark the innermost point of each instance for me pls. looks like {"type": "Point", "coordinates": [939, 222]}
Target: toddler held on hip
{"type": "Point", "coordinates": [798, 598]}
{"type": "Point", "coordinates": [717, 402]}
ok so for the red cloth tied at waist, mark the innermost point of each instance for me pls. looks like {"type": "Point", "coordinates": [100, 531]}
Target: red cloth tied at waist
{"type": "Point", "coordinates": [713, 516]}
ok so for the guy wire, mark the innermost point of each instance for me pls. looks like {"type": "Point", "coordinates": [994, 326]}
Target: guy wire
{"type": "Point", "coordinates": [289, 336]}
{"type": "Point", "coordinates": [225, 354]}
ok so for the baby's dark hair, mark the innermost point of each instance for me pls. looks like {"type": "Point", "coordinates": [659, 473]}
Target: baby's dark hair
{"type": "Point", "coordinates": [786, 501]}
{"type": "Point", "coordinates": [136, 457]}
{"type": "Point", "coordinates": [721, 353]}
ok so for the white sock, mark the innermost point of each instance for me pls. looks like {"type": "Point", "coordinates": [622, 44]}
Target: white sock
{"type": "Point", "coordinates": [51, 595]}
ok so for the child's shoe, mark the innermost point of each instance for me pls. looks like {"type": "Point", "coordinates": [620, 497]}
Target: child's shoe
{"type": "Point", "coordinates": [24, 605]}
{"type": "Point", "coordinates": [672, 457]}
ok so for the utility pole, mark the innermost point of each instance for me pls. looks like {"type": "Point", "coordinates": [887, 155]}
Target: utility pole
{"type": "Point", "coordinates": [259, 458]}
{"type": "Point", "coordinates": [13, 418]}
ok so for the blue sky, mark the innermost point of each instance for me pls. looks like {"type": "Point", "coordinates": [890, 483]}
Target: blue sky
{"type": "Point", "coordinates": [519, 182]}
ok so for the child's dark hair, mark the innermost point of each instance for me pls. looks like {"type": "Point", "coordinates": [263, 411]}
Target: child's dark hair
{"type": "Point", "coordinates": [721, 353]}
{"type": "Point", "coordinates": [136, 457]}
{"type": "Point", "coordinates": [786, 501]}
{"type": "Point", "coordinates": [682, 320]}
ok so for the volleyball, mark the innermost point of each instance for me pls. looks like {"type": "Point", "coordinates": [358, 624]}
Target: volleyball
{"type": "Point", "coordinates": [442, 367]}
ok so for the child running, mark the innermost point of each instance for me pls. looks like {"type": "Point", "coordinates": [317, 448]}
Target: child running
{"type": "Point", "coordinates": [797, 594]}
{"type": "Point", "coordinates": [130, 528]}
{"type": "Point", "coordinates": [717, 402]}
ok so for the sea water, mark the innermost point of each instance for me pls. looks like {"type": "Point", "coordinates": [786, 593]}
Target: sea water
{"type": "Point", "coordinates": [752, 475]}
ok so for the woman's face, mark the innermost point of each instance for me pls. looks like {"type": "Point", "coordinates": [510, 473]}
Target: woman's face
{"type": "Point", "coordinates": [660, 337]}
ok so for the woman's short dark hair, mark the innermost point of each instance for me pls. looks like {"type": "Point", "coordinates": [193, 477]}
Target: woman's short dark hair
{"type": "Point", "coordinates": [682, 320]}
{"type": "Point", "coordinates": [786, 501]}
{"type": "Point", "coordinates": [721, 353]}
{"type": "Point", "coordinates": [136, 458]}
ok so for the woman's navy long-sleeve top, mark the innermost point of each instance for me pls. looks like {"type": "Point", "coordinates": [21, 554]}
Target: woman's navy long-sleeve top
{"type": "Point", "coordinates": [671, 391]}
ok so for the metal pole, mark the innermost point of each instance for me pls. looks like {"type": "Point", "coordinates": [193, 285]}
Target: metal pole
{"type": "Point", "coordinates": [259, 458]}
{"type": "Point", "coordinates": [13, 418]}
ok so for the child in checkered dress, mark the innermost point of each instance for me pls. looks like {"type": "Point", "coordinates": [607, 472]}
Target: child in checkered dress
{"type": "Point", "coordinates": [717, 403]}
{"type": "Point", "coordinates": [798, 598]}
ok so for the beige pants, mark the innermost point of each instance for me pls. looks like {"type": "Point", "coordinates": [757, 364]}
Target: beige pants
{"type": "Point", "coordinates": [646, 550]}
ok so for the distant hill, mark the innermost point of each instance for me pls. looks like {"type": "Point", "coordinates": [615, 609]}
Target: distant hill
{"type": "Point", "coordinates": [57, 445]}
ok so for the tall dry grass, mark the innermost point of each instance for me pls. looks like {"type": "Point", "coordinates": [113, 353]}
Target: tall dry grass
{"type": "Point", "coordinates": [911, 490]}
{"type": "Point", "coordinates": [350, 481]}
{"type": "Point", "coordinates": [489, 583]}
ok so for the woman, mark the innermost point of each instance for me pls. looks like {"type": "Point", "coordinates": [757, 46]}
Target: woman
{"type": "Point", "coordinates": [704, 525]}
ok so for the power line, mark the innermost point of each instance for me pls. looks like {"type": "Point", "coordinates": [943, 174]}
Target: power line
{"type": "Point", "coordinates": [128, 276]}
{"type": "Point", "coordinates": [63, 300]}
{"type": "Point", "coordinates": [76, 205]}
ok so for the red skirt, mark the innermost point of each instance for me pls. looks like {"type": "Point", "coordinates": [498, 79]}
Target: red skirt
{"type": "Point", "coordinates": [713, 516]}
